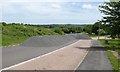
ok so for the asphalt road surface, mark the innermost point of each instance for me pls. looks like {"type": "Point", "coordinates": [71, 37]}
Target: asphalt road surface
{"type": "Point", "coordinates": [96, 59]}
{"type": "Point", "coordinates": [17, 54]}
{"type": "Point", "coordinates": [66, 58]}
{"type": "Point", "coordinates": [36, 46]}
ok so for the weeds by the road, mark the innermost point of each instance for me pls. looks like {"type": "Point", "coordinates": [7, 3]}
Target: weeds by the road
{"type": "Point", "coordinates": [113, 60]}
{"type": "Point", "coordinates": [112, 45]}
{"type": "Point", "coordinates": [17, 33]}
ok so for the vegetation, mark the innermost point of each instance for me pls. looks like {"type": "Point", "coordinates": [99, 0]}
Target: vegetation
{"type": "Point", "coordinates": [111, 26]}
{"type": "Point", "coordinates": [112, 17]}
{"type": "Point", "coordinates": [13, 34]}
{"type": "Point", "coordinates": [114, 61]}
{"type": "Point", "coordinates": [112, 45]}
{"type": "Point", "coordinates": [93, 30]}
{"type": "Point", "coordinates": [16, 33]}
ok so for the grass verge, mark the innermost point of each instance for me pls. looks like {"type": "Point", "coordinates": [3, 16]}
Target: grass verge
{"type": "Point", "coordinates": [113, 44]}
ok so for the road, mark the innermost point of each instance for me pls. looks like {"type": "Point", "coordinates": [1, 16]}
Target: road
{"type": "Point", "coordinates": [67, 58]}
{"type": "Point", "coordinates": [36, 46]}
{"type": "Point", "coordinates": [16, 54]}
{"type": "Point", "coordinates": [96, 59]}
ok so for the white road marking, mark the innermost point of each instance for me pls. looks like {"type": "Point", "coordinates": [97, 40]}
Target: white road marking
{"type": "Point", "coordinates": [83, 58]}
{"type": "Point", "coordinates": [37, 57]}
{"type": "Point", "coordinates": [81, 61]}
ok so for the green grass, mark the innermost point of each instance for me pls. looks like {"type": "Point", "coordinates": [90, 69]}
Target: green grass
{"type": "Point", "coordinates": [16, 34]}
{"type": "Point", "coordinates": [113, 44]}
{"type": "Point", "coordinates": [113, 60]}
{"type": "Point", "coordinates": [11, 40]}
{"type": "Point", "coordinates": [0, 40]}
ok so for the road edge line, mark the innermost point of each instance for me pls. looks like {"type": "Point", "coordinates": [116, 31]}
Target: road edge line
{"type": "Point", "coordinates": [37, 57]}
{"type": "Point", "coordinates": [83, 58]}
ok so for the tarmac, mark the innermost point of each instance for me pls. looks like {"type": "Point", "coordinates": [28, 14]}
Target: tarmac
{"type": "Point", "coordinates": [96, 59]}
{"type": "Point", "coordinates": [66, 58]}
{"type": "Point", "coordinates": [93, 59]}
{"type": "Point", "coordinates": [36, 46]}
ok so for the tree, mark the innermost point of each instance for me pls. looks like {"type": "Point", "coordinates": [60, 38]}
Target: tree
{"type": "Point", "coordinates": [96, 27]}
{"type": "Point", "coordinates": [112, 17]}
{"type": "Point", "coordinates": [88, 29]}
{"type": "Point", "coordinates": [66, 30]}
{"type": "Point", "coordinates": [59, 31]}
{"type": "Point", "coordinates": [3, 23]}
{"type": "Point", "coordinates": [102, 32]}
{"type": "Point", "coordinates": [78, 30]}
{"type": "Point", "coordinates": [72, 29]}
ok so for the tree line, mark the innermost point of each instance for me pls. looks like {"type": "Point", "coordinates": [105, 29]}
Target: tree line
{"type": "Point", "coordinates": [108, 25]}
{"type": "Point", "coordinates": [91, 29]}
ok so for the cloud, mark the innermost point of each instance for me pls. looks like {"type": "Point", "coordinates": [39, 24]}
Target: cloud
{"type": "Point", "coordinates": [55, 0]}
{"type": "Point", "coordinates": [32, 0]}
{"type": "Point", "coordinates": [73, 3]}
{"type": "Point", "coordinates": [88, 6]}
{"type": "Point", "coordinates": [45, 12]}
{"type": "Point", "coordinates": [32, 7]}
{"type": "Point", "coordinates": [56, 6]}
{"type": "Point", "coordinates": [44, 8]}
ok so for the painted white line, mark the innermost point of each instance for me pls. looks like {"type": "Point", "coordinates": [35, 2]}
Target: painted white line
{"type": "Point", "coordinates": [82, 59]}
{"type": "Point", "coordinates": [37, 57]}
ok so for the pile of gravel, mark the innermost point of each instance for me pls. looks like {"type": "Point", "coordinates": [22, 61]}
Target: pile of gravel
{"type": "Point", "coordinates": [53, 41]}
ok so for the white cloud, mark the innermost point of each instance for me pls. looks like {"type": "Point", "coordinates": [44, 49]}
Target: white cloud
{"type": "Point", "coordinates": [55, 0]}
{"type": "Point", "coordinates": [0, 13]}
{"type": "Point", "coordinates": [73, 3]}
{"type": "Point", "coordinates": [88, 6]}
{"type": "Point", "coordinates": [44, 8]}
{"type": "Point", "coordinates": [47, 11]}
{"type": "Point", "coordinates": [56, 6]}
{"type": "Point", "coordinates": [32, 0]}
{"type": "Point", "coordinates": [32, 7]}
{"type": "Point", "coordinates": [41, 10]}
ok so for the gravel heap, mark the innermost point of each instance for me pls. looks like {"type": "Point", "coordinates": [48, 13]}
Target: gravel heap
{"type": "Point", "coordinates": [53, 41]}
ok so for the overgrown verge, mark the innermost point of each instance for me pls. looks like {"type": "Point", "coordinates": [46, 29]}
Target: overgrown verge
{"type": "Point", "coordinates": [15, 34]}
{"type": "Point", "coordinates": [112, 45]}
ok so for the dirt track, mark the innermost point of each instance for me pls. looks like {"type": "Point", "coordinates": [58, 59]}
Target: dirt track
{"type": "Point", "coordinates": [67, 58]}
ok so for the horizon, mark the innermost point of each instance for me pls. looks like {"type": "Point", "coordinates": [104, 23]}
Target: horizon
{"type": "Point", "coordinates": [55, 12]}
{"type": "Point", "coordinates": [50, 23]}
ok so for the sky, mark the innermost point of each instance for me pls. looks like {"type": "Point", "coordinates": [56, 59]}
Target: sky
{"type": "Point", "coordinates": [51, 11]}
